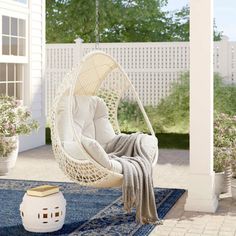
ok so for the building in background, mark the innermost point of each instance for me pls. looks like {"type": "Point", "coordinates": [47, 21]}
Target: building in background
{"type": "Point", "coordinates": [22, 43]}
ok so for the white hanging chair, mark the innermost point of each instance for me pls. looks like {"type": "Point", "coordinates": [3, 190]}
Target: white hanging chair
{"type": "Point", "coordinates": [98, 74]}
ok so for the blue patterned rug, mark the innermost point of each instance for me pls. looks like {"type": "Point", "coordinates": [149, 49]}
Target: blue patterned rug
{"type": "Point", "coordinates": [89, 211]}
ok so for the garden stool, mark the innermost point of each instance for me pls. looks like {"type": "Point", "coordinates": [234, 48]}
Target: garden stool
{"type": "Point", "coordinates": [43, 213]}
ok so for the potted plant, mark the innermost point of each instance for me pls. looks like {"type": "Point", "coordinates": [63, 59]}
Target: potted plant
{"type": "Point", "coordinates": [233, 161]}
{"type": "Point", "coordinates": [15, 120]}
{"type": "Point", "coordinates": [219, 168]}
{"type": "Point", "coordinates": [225, 143]}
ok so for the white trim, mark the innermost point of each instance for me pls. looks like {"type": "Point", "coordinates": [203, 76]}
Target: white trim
{"type": "Point", "coordinates": [13, 59]}
{"type": "Point", "coordinates": [0, 36]}
{"type": "Point", "coordinates": [14, 6]}
{"type": "Point", "coordinates": [43, 89]}
{"type": "Point", "coordinates": [14, 11]}
{"type": "Point", "coordinates": [28, 95]}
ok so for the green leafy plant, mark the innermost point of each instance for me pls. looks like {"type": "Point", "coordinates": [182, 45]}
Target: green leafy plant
{"type": "Point", "coordinates": [224, 141]}
{"type": "Point", "coordinates": [15, 120]}
{"type": "Point", "coordinates": [173, 111]}
{"type": "Point", "coordinates": [130, 117]}
{"type": "Point", "coordinates": [7, 146]}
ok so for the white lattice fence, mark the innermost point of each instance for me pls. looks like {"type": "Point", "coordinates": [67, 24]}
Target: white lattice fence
{"type": "Point", "coordinates": [60, 59]}
{"type": "Point", "coordinates": [152, 67]}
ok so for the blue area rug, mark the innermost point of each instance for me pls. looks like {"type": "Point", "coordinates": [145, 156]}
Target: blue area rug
{"type": "Point", "coordinates": [89, 211]}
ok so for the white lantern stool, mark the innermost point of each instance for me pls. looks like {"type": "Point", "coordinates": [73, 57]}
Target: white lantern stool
{"type": "Point", "coordinates": [43, 214]}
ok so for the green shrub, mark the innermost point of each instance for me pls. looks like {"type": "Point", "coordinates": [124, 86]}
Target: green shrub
{"type": "Point", "coordinates": [224, 97]}
{"type": "Point", "coordinates": [130, 117]}
{"type": "Point", "coordinates": [172, 114]}
{"type": "Point", "coordinates": [173, 111]}
{"type": "Point", "coordinates": [224, 141]}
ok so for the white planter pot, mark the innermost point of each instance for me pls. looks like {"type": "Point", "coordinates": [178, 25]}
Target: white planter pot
{"type": "Point", "coordinates": [219, 183]}
{"type": "Point", "coordinates": [233, 188]}
{"type": "Point", "coordinates": [7, 163]}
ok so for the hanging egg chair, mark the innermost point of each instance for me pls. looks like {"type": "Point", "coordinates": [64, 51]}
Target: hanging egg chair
{"type": "Point", "coordinates": [100, 80]}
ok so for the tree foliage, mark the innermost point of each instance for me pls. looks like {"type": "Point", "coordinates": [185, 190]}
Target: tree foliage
{"type": "Point", "coordinates": [119, 21]}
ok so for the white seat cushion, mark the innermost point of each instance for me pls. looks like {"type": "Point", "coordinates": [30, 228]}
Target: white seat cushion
{"type": "Point", "coordinates": [150, 145]}
{"type": "Point", "coordinates": [95, 150]}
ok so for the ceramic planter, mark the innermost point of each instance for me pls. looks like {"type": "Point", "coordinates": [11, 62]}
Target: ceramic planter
{"type": "Point", "coordinates": [220, 183]}
{"type": "Point", "coordinates": [8, 162]}
{"type": "Point", "coordinates": [43, 214]}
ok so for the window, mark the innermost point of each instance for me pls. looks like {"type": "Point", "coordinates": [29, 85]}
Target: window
{"type": "Point", "coordinates": [13, 54]}
{"type": "Point", "coordinates": [11, 79]}
{"type": "Point", "coordinates": [13, 36]}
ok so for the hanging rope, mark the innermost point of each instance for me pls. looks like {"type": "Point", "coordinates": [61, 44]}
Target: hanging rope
{"type": "Point", "coordinates": [97, 25]}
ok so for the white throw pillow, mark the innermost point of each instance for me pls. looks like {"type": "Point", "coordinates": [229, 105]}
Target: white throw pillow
{"type": "Point", "coordinates": [150, 144]}
{"type": "Point", "coordinates": [95, 150]}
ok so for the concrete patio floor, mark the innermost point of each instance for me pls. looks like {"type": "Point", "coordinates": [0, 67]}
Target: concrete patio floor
{"type": "Point", "coordinates": [171, 171]}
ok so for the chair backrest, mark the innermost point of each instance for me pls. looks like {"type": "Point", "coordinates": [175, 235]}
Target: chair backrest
{"type": "Point", "coordinates": [90, 117]}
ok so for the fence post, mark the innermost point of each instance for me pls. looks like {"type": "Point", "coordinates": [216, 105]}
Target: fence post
{"type": "Point", "coordinates": [78, 53]}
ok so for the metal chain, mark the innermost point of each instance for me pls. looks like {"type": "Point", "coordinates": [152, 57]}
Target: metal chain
{"type": "Point", "coordinates": [97, 25]}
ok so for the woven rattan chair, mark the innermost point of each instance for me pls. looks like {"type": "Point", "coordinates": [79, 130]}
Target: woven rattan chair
{"type": "Point", "coordinates": [98, 74]}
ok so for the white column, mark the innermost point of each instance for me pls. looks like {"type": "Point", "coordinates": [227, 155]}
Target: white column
{"type": "Point", "coordinates": [201, 194]}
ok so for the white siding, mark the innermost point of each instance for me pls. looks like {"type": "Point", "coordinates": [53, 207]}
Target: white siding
{"type": "Point", "coordinates": [35, 88]}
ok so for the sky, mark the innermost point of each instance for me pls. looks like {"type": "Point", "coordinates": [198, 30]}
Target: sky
{"type": "Point", "coordinates": [224, 14]}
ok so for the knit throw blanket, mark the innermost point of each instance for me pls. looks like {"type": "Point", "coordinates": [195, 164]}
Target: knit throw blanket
{"type": "Point", "coordinates": [137, 185]}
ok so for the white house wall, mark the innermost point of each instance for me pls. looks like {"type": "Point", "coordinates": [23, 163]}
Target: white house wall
{"type": "Point", "coordinates": [35, 85]}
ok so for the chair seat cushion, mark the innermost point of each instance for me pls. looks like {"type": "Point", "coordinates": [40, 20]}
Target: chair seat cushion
{"type": "Point", "coordinates": [150, 145]}
{"type": "Point", "coordinates": [95, 150]}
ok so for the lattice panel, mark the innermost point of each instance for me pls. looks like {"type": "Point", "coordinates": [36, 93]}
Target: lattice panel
{"type": "Point", "coordinates": [152, 67]}
{"type": "Point", "coordinates": [60, 59]}
{"type": "Point", "coordinates": [148, 56]}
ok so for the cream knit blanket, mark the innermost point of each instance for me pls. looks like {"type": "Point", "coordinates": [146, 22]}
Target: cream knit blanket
{"type": "Point", "coordinates": [137, 170]}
